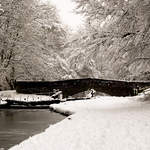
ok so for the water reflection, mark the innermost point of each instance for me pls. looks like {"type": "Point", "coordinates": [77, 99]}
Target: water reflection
{"type": "Point", "coordinates": [18, 125]}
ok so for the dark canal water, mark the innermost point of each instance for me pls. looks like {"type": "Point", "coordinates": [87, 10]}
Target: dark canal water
{"type": "Point", "coordinates": [18, 125]}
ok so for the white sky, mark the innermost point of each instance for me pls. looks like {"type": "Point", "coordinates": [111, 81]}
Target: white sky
{"type": "Point", "coordinates": [65, 8]}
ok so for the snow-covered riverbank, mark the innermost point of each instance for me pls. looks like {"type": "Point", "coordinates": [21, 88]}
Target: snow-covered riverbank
{"type": "Point", "coordinates": [13, 95]}
{"type": "Point", "coordinates": [105, 123]}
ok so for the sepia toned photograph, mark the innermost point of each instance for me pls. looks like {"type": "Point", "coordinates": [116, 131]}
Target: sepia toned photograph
{"type": "Point", "coordinates": [74, 74]}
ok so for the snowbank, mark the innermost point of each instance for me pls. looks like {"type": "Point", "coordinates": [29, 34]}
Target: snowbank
{"type": "Point", "coordinates": [13, 95]}
{"type": "Point", "coordinates": [103, 103]}
{"type": "Point", "coordinates": [104, 123]}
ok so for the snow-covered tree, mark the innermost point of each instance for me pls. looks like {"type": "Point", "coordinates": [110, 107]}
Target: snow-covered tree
{"type": "Point", "coordinates": [30, 36]}
{"type": "Point", "coordinates": [117, 36]}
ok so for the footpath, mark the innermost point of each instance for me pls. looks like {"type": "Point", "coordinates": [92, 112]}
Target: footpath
{"type": "Point", "coordinates": [104, 123]}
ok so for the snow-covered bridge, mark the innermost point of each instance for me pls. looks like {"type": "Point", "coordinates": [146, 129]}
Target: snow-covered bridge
{"type": "Point", "coordinates": [74, 86]}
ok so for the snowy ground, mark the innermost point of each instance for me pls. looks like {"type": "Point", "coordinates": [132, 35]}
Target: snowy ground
{"type": "Point", "coordinates": [103, 123]}
{"type": "Point", "coordinates": [13, 95]}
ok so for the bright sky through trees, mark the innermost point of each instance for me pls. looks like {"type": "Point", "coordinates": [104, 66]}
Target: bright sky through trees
{"type": "Point", "coordinates": [68, 17]}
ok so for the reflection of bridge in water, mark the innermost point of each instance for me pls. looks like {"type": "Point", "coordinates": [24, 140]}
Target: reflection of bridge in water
{"type": "Point", "coordinates": [74, 86]}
